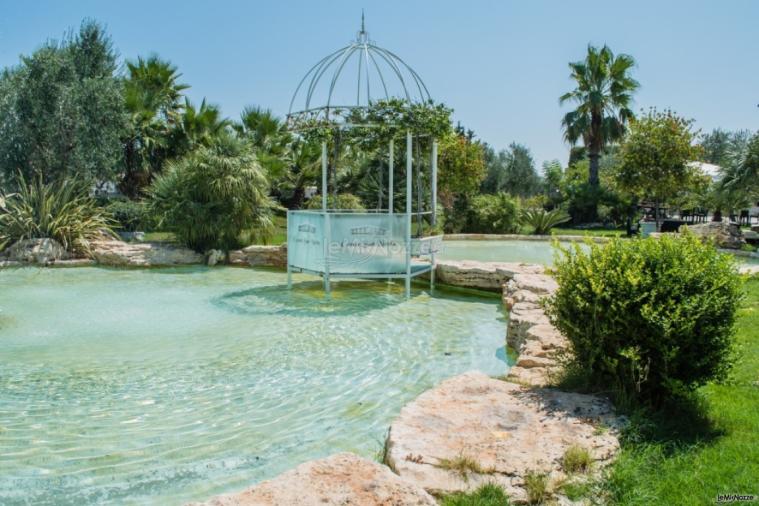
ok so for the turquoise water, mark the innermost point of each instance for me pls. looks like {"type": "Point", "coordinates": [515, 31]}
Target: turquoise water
{"type": "Point", "coordinates": [533, 252]}
{"type": "Point", "coordinates": [162, 386]}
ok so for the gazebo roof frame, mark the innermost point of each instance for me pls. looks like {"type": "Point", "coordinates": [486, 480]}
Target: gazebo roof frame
{"type": "Point", "coordinates": [330, 69]}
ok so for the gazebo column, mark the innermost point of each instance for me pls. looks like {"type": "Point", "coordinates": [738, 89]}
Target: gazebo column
{"type": "Point", "coordinates": [433, 219]}
{"type": "Point", "coordinates": [409, 168]}
{"type": "Point", "coordinates": [434, 182]}
{"type": "Point", "coordinates": [324, 176]}
{"type": "Point", "coordinates": [325, 217]}
{"type": "Point", "coordinates": [390, 166]}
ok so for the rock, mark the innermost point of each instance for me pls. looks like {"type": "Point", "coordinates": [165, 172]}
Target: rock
{"type": "Point", "coordinates": [724, 235]}
{"type": "Point", "coordinates": [74, 262]}
{"type": "Point", "coordinates": [339, 480]}
{"type": "Point", "coordinates": [529, 361]}
{"type": "Point", "coordinates": [132, 236]}
{"type": "Point", "coordinates": [546, 336]}
{"type": "Point", "coordinates": [523, 316]}
{"type": "Point", "coordinates": [530, 376]}
{"type": "Point", "coordinates": [481, 275]}
{"type": "Point", "coordinates": [118, 253]}
{"type": "Point", "coordinates": [751, 269]}
{"type": "Point", "coordinates": [214, 256]}
{"type": "Point", "coordinates": [260, 256]}
{"type": "Point", "coordinates": [504, 430]}
{"type": "Point", "coordinates": [540, 284]}
{"type": "Point", "coordinates": [39, 251]}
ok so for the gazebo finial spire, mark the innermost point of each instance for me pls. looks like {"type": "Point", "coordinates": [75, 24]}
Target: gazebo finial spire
{"type": "Point", "coordinates": [363, 37]}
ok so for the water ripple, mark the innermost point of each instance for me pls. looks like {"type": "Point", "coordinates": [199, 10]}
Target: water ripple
{"type": "Point", "coordinates": [157, 387]}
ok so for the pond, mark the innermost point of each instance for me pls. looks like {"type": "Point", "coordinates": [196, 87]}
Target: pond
{"type": "Point", "coordinates": [166, 385]}
{"type": "Point", "coordinates": [531, 252]}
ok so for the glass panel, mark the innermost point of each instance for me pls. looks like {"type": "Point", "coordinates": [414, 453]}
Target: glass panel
{"type": "Point", "coordinates": [361, 243]}
{"type": "Point", "coordinates": [367, 243]}
{"type": "Point", "coordinates": [305, 240]}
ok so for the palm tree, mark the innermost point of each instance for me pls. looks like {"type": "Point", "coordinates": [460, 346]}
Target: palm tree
{"type": "Point", "coordinates": [603, 97]}
{"type": "Point", "coordinates": [152, 96]}
{"type": "Point", "coordinates": [269, 137]}
{"type": "Point", "coordinates": [197, 127]}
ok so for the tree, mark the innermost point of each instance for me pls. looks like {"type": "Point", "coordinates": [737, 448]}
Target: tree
{"type": "Point", "coordinates": [603, 97]}
{"type": "Point", "coordinates": [740, 175]}
{"type": "Point", "coordinates": [511, 171]}
{"type": "Point", "coordinates": [655, 157]}
{"type": "Point", "coordinates": [62, 111]}
{"type": "Point", "coordinates": [152, 97]}
{"type": "Point", "coordinates": [719, 147]}
{"type": "Point", "coordinates": [461, 169]}
{"type": "Point", "coordinates": [553, 176]}
{"type": "Point", "coordinates": [215, 197]}
{"type": "Point", "coordinates": [197, 127]}
{"type": "Point", "coordinates": [269, 137]}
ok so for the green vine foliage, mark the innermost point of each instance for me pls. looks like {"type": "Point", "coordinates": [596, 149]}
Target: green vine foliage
{"type": "Point", "coordinates": [374, 126]}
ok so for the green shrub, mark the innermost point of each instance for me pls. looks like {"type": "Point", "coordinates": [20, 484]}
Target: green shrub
{"type": "Point", "coordinates": [488, 494]}
{"type": "Point", "coordinates": [63, 211]}
{"type": "Point", "coordinates": [343, 201]}
{"type": "Point", "coordinates": [543, 221]}
{"type": "Point", "coordinates": [649, 318]}
{"type": "Point", "coordinates": [130, 215]}
{"type": "Point", "coordinates": [494, 214]}
{"type": "Point", "coordinates": [215, 197]}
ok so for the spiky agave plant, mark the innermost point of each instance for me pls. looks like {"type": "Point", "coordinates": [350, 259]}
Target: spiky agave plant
{"type": "Point", "coordinates": [61, 210]}
{"type": "Point", "coordinates": [543, 221]}
{"type": "Point", "coordinates": [215, 197]}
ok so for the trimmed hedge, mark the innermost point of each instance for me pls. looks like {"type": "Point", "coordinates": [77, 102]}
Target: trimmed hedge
{"type": "Point", "coordinates": [647, 318]}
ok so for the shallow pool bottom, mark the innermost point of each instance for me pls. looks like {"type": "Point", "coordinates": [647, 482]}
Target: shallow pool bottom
{"type": "Point", "coordinates": [162, 386]}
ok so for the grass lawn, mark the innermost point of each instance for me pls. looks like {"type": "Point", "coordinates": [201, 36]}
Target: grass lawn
{"type": "Point", "coordinates": [278, 237]}
{"type": "Point", "coordinates": [690, 454]}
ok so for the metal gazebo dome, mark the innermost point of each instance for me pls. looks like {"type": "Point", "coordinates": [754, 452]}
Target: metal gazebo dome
{"type": "Point", "coordinates": [343, 243]}
{"type": "Point", "coordinates": [352, 78]}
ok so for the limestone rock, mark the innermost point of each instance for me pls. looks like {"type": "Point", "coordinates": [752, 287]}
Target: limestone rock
{"type": "Point", "coordinates": [339, 480]}
{"type": "Point", "coordinates": [260, 256]}
{"type": "Point", "coordinates": [482, 275]}
{"type": "Point", "coordinates": [540, 284]}
{"type": "Point", "coordinates": [724, 235]}
{"type": "Point", "coordinates": [118, 253]}
{"type": "Point", "coordinates": [523, 316]}
{"type": "Point", "coordinates": [546, 336]}
{"type": "Point", "coordinates": [214, 256]}
{"type": "Point", "coordinates": [504, 428]}
{"type": "Point", "coordinates": [39, 251]}
{"type": "Point", "coordinates": [74, 262]}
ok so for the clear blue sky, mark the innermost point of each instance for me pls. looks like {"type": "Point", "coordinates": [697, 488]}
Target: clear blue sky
{"type": "Point", "coordinates": [500, 64]}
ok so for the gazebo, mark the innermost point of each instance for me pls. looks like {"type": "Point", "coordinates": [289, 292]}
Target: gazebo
{"type": "Point", "coordinates": [380, 243]}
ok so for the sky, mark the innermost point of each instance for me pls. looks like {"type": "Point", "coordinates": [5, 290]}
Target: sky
{"type": "Point", "coordinates": [501, 65]}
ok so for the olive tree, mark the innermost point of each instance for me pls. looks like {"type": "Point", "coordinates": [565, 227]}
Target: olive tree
{"type": "Point", "coordinates": [62, 110]}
